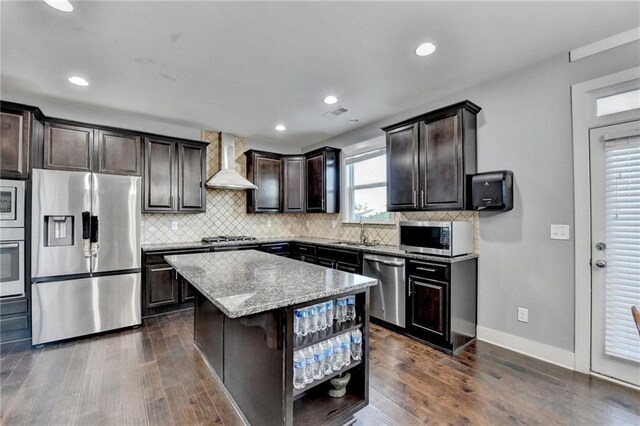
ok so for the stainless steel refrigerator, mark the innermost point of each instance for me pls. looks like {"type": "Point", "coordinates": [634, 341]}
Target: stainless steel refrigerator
{"type": "Point", "coordinates": [85, 259]}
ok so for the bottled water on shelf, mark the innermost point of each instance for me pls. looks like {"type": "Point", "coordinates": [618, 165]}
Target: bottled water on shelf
{"type": "Point", "coordinates": [329, 312]}
{"type": "Point", "coordinates": [345, 344]}
{"type": "Point", "coordinates": [322, 316]}
{"type": "Point", "coordinates": [313, 318]}
{"type": "Point", "coordinates": [337, 354]}
{"type": "Point", "coordinates": [327, 367]}
{"type": "Point", "coordinates": [300, 325]}
{"type": "Point", "coordinates": [299, 380]}
{"type": "Point", "coordinates": [341, 309]}
{"type": "Point", "coordinates": [318, 362]}
{"type": "Point", "coordinates": [356, 344]}
{"type": "Point", "coordinates": [351, 308]}
{"type": "Point", "coordinates": [308, 364]}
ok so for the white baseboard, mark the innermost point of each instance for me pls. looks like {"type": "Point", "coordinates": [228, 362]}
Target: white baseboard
{"type": "Point", "coordinates": [551, 354]}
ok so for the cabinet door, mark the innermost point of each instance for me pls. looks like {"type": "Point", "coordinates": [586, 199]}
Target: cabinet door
{"type": "Point", "coordinates": [347, 267]}
{"type": "Point", "coordinates": [315, 183]}
{"type": "Point", "coordinates": [14, 144]}
{"type": "Point", "coordinates": [441, 170]}
{"type": "Point", "coordinates": [267, 176]}
{"type": "Point", "coordinates": [293, 185]}
{"type": "Point", "coordinates": [402, 168]}
{"type": "Point", "coordinates": [187, 292]}
{"type": "Point", "coordinates": [68, 147]}
{"type": "Point", "coordinates": [161, 286]}
{"type": "Point", "coordinates": [326, 263]}
{"type": "Point", "coordinates": [191, 178]}
{"type": "Point", "coordinates": [118, 153]}
{"type": "Point", "coordinates": [428, 307]}
{"type": "Point", "coordinates": [159, 175]}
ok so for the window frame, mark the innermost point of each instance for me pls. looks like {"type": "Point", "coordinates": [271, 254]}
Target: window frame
{"type": "Point", "coordinates": [348, 188]}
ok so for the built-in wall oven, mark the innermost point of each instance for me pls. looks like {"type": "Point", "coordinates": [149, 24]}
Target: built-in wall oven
{"type": "Point", "coordinates": [12, 238]}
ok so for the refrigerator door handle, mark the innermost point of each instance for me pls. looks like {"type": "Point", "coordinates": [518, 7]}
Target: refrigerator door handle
{"type": "Point", "coordinates": [86, 233]}
{"type": "Point", "coordinates": [94, 236]}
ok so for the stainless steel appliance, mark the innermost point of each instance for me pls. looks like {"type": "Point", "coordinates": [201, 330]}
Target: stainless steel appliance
{"type": "Point", "coordinates": [12, 238]}
{"type": "Point", "coordinates": [387, 301]}
{"type": "Point", "coordinates": [85, 253]}
{"type": "Point", "coordinates": [440, 238]}
{"type": "Point", "coordinates": [226, 238]}
{"type": "Point", "coordinates": [11, 203]}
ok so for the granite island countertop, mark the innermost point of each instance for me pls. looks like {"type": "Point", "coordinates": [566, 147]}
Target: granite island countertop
{"type": "Point", "coordinates": [247, 282]}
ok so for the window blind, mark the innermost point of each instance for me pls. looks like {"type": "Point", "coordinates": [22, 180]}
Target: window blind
{"type": "Point", "coordinates": [622, 198]}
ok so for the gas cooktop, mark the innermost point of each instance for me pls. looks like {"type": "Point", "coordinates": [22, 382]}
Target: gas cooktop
{"type": "Point", "coordinates": [225, 238]}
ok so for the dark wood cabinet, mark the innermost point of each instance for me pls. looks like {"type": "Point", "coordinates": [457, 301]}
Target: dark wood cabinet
{"type": "Point", "coordinates": [191, 177]}
{"type": "Point", "coordinates": [430, 158]}
{"type": "Point", "coordinates": [118, 153]}
{"type": "Point", "coordinates": [279, 249]}
{"type": "Point", "coordinates": [174, 176]}
{"type": "Point", "coordinates": [161, 286]}
{"type": "Point", "coordinates": [264, 169]}
{"type": "Point", "coordinates": [20, 129]}
{"type": "Point", "coordinates": [293, 184]}
{"type": "Point", "coordinates": [187, 292]}
{"type": "Point", "coordinates": [342, 260]}
{"type": "Point", "coordinates": [323, 181]}
{"type": "Point", "coordinates": [442, 302]}
{"type": "Point", "coordinates": [68, 147]}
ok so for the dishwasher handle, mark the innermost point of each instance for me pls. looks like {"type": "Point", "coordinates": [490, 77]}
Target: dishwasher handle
{"type": "Point", "coordinates": [384, 262]}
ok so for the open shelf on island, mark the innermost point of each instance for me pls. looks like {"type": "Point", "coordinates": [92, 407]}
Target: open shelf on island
{"type": "Point", "coordinates": [320, 408]}
{"type": "Point", "coordinates": [300, 342]}
{"type": "Point", "coordinates": [298, 392]}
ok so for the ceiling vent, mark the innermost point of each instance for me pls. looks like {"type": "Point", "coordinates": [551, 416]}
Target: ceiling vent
{"type": "Point", "coordinates": [335, 113]}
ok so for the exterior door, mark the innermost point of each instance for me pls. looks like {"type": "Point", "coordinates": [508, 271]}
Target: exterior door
{"type": "Point", "coordinates": [615, 245]}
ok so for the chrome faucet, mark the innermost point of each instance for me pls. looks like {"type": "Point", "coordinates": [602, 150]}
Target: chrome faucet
{"type": "Point", "coordinates": [363, 238]}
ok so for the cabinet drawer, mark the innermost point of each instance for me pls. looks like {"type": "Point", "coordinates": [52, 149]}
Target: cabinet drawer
{"type": "Point", "coordinates": [304, 249]}
{"type": "Point", "coordinates": [280, 249]}
{"type": "Point", "coordinates": [157, 257]}
{"type": "Point", "coordinates": [14, 323]}
{"type": "Point", "coordinates": [342, 256]}
{"type": "Point", "coordinates": [429, 270]}
{"type": "Point", "coordinates": [14, 307]}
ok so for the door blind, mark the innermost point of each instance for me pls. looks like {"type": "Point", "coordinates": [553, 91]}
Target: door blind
{"type": "Point", "coordinates": [622, 274]}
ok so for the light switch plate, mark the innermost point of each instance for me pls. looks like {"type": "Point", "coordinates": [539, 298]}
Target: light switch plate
{"type": "Point", "coordinates": [523, 315]}
{"type": "Point", "coordinates": [559, 232]}
{"type": "Point", "coordinates": [269, 223]}
{"type": "Point", "coordinates": [334, 224]}
{"type": "Point", "coordinates": [174, 225]}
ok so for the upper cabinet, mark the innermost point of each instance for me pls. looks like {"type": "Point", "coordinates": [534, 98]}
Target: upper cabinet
{"type": "Point", "coordinates": [264, 169]}
{"type": "Point", "coordinates": [174, 176]}
{"type": "Point", "coordinates": [118, 153]}
{"type": "Point", "coordinates": [323, 181]}
{"type": "Point", "coordinates": [429, 159]}
{"type": "Point", "coordinates": [68, 147]}
{"type": "Point", "coordinates": [19, 124]}
{"type": "Point", "coordinates": [293, 184]}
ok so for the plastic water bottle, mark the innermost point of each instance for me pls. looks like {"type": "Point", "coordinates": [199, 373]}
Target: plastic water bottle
{"type": "Point", "coordinates": [337, 354]}
{"type": "Point", "coordinates": [308, 364]}
{"type": "Point", "coordinates": [341, 309]}
{"type": "Point", "coordinates": [356, 344]}
{"type": "Point", "coordinates": [300, 325]}
{"type": "Point", "coordinates": [327, 367]}
{"type": "Point", "coordinates": [299, 380]}
{"type": "Point", "coordinates": [318, 362]}
{"type": "Point", "coordinates": [313, 320]}
{"type": "Point", "coordinates": [329, 311]}
{"type": "Point", "coordinates": [351, 308]}
{"type": "Point", "coordinates": [322, 316]}
{"type": "Point", "coordinates": [345, 344]}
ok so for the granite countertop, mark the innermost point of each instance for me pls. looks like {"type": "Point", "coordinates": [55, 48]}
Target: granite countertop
{"type": "Point", "coordinates": [381, 249]}
{"type": "Point", "coordinates": [247, 282]}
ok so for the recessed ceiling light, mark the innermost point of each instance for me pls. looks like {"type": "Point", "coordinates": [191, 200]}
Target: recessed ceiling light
{"type": "Point", "coordinates": [78, 81]}
{"type": "Point", "coordinates": [425, 49]}
{"type": "Point", "coordinates": [281, 128]}
{"type": "Point", "coordinates": [330, 100]}
{"type": "Point", "coordinates": [61, 5]}
{"type": "Point", "coordinates": [353, 121]}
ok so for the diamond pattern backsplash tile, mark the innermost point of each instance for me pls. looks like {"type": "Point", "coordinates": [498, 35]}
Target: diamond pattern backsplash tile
{"type": "Point", "coordinates": [227, 215]}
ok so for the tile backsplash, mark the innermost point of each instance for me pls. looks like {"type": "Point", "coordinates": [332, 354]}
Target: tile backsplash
{"type": "Point", "coordinates": [227, 215]}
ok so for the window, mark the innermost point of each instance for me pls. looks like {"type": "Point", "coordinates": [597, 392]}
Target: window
{"type": "Point", "coordinates": [366, 186]}
{"type": "Point", "coordinates": [618, 103]}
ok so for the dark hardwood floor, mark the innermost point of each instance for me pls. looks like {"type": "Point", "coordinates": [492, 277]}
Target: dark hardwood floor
{"type": "Point", "coordinates": [154, 375]}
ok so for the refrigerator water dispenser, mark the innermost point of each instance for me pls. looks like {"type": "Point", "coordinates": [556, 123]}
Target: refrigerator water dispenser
{"type": "Point", "coordinates": [58, 231]}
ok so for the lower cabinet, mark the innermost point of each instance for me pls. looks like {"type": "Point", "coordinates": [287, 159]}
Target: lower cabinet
{"type": "Point", "coordinates": [15, 321]}
{"type": "Point", "coordinates": [342, 260]}
{"type": "Point", "coordinates": [279, 249]}
{"type": "Point", "coordinates": [163, 290]}
{"type": "Point", "coordinates": [442, 302]}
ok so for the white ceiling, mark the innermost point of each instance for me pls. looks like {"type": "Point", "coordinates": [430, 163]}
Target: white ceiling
{"type": "Point", "coordinates": [243, 67]}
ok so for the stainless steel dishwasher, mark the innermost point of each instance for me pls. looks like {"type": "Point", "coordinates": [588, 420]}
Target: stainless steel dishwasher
{"type": "Point", "coordinates": [388, 301]}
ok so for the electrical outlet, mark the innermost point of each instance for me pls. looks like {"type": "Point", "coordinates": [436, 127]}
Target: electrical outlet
{"type": "Point", "coordinates": [174, 225]}
{"type": "Point", "coordinates": [307, 224]}
{"type": "Point", "coordinates": [269, 223]}
{"type": "Point", "coordinates": [559, 232]}
{"type": "Point", "coordinates": [523, 315]}
{"type": "Point", "coordinates": [334, 224]}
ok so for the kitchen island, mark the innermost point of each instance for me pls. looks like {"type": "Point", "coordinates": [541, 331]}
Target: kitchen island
{"type": "Point", "coordinates": [244, 317]}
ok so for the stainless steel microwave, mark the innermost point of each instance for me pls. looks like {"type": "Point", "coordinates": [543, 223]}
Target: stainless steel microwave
{"type": "Point", "coordinates": [439, 238]}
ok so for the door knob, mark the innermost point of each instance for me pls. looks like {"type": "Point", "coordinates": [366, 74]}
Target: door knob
{"type": "Point", "coordinates": [601, 246]}
{"type": "Point", "coordinates": [601, 264]}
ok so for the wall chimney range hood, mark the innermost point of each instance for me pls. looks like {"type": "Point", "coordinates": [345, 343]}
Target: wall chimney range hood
{"type": "Point", "coordinates": [227, 177]}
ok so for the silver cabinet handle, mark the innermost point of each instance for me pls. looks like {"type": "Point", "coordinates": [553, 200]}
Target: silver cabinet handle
{"type": "Point", "coordinates": [415, 197]}
{"type": "Point", "coordinates": [384, 262]}
{"type": "Point", "coordinates": [423, 201]}
{"type": "Point", "coordinates": [425, 269]}
{"type": "Point", "coordinates": [163, 269]}
{"type": "Point", "coordinates": [10, 245]}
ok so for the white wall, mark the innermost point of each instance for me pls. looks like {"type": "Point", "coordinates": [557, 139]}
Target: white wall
{"type": "Point", "coordinates": [525, 126]}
